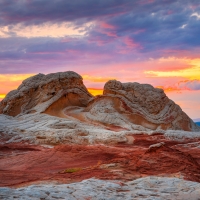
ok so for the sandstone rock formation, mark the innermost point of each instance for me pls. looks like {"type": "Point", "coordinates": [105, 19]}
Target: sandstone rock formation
{"type": "Point", "coordinates": [40, 91]}
{"type": "Point", "coordinates": [147, 106]}
{"type": "Point", "coordinates": [53, 133]}
{"type": "Point", "coordinates": [123, 106]}
{"type": "Point", "coordinates": [134, 106]}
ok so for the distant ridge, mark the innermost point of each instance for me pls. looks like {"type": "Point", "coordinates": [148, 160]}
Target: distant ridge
{"type": "Point", "coordinates": [196, 120]}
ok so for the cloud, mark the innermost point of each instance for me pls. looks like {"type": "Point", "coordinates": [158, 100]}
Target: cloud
{"type": "Point", "coordinates": [44, 30]}
{"type": "Point", "coordinates": [148, 41]}
{"type": "Point", "coordinates": [47, 36]}
{"type": "Point", "coordinates": [183, 26]}
{"type": "Point", "coordinates": [196, 15]}
{"type": "Point", "coordinates": [184, 67]}
{"type": "Point", "coordinates": [181, 86]}
{"type": "Point", "coordinates": [189, 85]}
{"type": "Point", "coordinates": [130, 43]}
{"type": "Point", "coordinates": [42, 11]}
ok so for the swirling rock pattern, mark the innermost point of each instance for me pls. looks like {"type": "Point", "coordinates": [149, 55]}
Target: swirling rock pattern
{"type": "Point", "coordinates": [133, 135]}
{"type": "Point", "coordinates": [127, 105]}
{"type": "Point", "coordinates": [40, 91]}
{"type": "Point", "coordinates": [147, 106]}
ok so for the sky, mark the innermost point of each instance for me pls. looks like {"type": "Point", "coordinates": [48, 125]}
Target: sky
{"type": "Point", "coordinates": [145, 41]}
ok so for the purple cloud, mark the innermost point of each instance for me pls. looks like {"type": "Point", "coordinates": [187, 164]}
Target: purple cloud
{"type": "Point", "coordinates": [189, 85]}
{"type": "Point", "coordinates": [122, 31]}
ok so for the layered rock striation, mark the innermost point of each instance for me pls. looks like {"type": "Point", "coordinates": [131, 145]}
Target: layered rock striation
{"type": "Point", "coordinates": [38, 92]}
{"type": "Point", "coordinates": [122, 107]}
{"type": "Point", "coordinates": [138, 106]}
{"type": "Point", "coordinates": [147, 106]}
{"type": "Point", "coordinates": [55, 137]}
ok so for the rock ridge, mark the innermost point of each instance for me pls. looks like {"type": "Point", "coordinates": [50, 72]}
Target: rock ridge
{"type": "Point", "coordinates": [131, 106]}
{"type": "Point", "coordinates": [123, 106]}
{"type": "Point", "coordinates": [41, 88]}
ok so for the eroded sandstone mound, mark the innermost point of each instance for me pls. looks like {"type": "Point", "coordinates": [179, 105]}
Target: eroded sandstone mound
{"type": "Point", "coordinates": [40, 91]}
{"type": "Point", "coordinates": [134, 106]}
{"type": "Point", "coordinates": [145, 105]}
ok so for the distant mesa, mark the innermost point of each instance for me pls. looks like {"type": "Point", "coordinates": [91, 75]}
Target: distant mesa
{"type": "Point", "coordinates": [122, 106]}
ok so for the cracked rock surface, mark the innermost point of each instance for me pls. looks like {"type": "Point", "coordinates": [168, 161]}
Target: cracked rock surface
{"type": "Point", "coordinates": [151, 188]}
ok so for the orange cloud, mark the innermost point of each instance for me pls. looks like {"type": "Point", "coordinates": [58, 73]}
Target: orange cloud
{"type": "Point", "coordinates": [189, 85]}
{"type": "Point", "coordinates": [182, 85]}
{"type": "Point", "coordinates": [190, 68]}
{"type": "Point", "coordinates": [169, 88]}
{"type": "Point", "coordinates": [169, 64]}
{"type": "Point", "coordinates": [10, 82]}
{"type": "Point", "coordinates": [96, 78]}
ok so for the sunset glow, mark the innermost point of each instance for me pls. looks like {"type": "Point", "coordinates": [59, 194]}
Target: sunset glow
{"type": "Point", "coordinates": [95, 92]}
{"type": "Point", "coordinates": [2, 96]}
{"type": "Point", "coordinates": [154, 42]}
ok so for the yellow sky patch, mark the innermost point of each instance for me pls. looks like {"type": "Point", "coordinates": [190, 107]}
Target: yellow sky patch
{"type": "Point", "coordinates": [96, 79]}
{"type": "Point", "coordinates": [10, 82]}
{"type": "Point", "coordinates": [2, 96]}
{"type": "Point", "coordinates": [95, 92]}
{"type": "Point", "coordinates": [169, 88]}
{"type": "Point", "coordinates": [190, 73]}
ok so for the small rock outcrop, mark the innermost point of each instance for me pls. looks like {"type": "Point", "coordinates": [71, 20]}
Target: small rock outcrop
{"type": "Point", "coordinates": [39, 92]}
